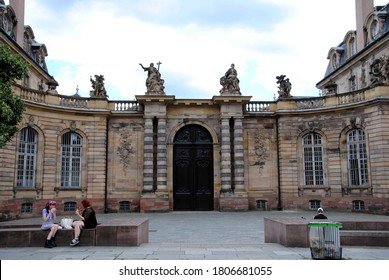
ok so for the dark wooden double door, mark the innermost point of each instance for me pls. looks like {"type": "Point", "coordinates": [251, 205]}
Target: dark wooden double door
{"type": "Point", "coordinates": [193, 169]}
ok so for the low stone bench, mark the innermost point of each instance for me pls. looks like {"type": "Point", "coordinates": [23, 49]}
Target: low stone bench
{"type": "Point", "coordinates": [294, 232]}
{"type": "Point", "coordinates": [290, 232]}
{"type": "Point", "coordinates": [113, 233]}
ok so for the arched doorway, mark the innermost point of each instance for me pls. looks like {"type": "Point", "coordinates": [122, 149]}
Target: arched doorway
{"type": "Point", "coordinates": [193, 169]}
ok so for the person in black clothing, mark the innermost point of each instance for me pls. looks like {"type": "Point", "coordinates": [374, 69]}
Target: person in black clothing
{"type": "Point", "coordinates": [320, 214]}
{"type": "Point", "coordinates": [87, 220]}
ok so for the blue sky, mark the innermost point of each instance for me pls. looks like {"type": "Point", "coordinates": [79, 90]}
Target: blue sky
{"type": "Point", "coordinates": [196, 41]}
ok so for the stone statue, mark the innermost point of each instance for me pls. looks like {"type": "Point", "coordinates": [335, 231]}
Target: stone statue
{"type": "Point", "coordinates": [230, 82]}
{"type": "Point", "coordinates": [98, 87]}
{"type": "Point", "coordinates": [154, 83]}
{"type": "Point", "coordinates": [284, 87]}
{"type": "Point", "coordinates": [379, 70]}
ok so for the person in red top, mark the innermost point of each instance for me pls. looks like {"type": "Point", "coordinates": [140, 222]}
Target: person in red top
{"type": "Point", "coordinates": [87, 220]}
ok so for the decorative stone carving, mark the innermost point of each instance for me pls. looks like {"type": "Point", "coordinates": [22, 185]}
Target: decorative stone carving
{"type": "Point", "coordinates": [379, 71]}
{"type": "Point", "coordinates": [125, 150]}
{"type": "Point", "coordinates": [310, 126]}
{"type": "Point", "coordinates": [73, 125]}
{"type": "Point", "coordinates": [284, 87]}
{"type": "Point", "coordinates": [41, 85]}
{"type": "Point", "coordinates": [98, 87]}
{"type": "Point", "coordinates": [356, 122]}
{"type": "Point", "coordinates": [331, 88]}
{"type": "Point", "coordinates": [52, 85]}
{"type": "Point", "coordinates": [230, 82]}
{"type": "Point", "coordinates": [154, 83]}
{"type": "Point", "coordinates": [31, 120]}
{"type": "Point", "coordinates": [259, 155]}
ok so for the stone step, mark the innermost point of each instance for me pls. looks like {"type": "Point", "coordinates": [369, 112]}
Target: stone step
{"type": "Point", "coordinates": [379, 238]}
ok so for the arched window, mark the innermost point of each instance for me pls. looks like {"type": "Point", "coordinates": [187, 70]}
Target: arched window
{"type": "Point", "coordinates": [27, 154]}
{"type": "Point", "coordinates": [313, 160]}
{"type": "Point", "coordinates": [71, 158]}
{"type": "Point", "coordinates": [7, 24]}
{"type": "Point", "coordinates": [375, 29]}
{"type": "Point", "coordinates": [357, 158]}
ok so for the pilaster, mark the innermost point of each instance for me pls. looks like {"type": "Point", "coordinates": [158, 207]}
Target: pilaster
{"type": "Point", "coordinates": [154, 197]}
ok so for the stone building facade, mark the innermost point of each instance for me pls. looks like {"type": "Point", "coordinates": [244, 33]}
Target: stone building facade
{"type": "Point", "coordinates": [227, 153]}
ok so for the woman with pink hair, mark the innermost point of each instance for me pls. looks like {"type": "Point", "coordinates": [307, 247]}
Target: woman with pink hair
{"type": "Point", "coordinates": [87, 220]}
{"type": "Point", "coordinates": [48, 216]}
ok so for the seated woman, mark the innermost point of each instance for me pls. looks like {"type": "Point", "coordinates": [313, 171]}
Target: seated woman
{"type": "Point", "coordinates": [87, 220]}
{"type": "Point", "coordinates": [48, 216]}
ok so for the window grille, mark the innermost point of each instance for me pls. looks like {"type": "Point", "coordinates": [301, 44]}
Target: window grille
{"type": "Point", "coordinates": [358, 205]}
{"type": "Point", "coordinates": [357, 158]}
{"type": "Point", "coordinates": [261, 204]}
{"type": "Point", "coordinates": [70, 206]}
{"type": "Point", "coordinates": [71, 152]}
{"type": "Point", "coordinates": [124, 206]}
{"type": "Point", "coordinates": [314, 204]}
{"type": "Point", "coordinates": [313, 160]}
{"type": "Point", "coordinates": [27, 153]}
{"type": "Point", "coordinates": [26, 208]}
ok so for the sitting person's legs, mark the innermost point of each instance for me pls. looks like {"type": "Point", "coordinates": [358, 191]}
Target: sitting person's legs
{"type": "Point", "coordinates": [77, 226]}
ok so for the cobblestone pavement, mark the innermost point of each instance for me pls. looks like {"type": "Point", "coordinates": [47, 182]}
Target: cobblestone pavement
{"type": "Point", "coordinates": [199, 236]}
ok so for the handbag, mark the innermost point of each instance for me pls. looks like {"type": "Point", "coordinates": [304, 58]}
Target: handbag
{"type": "Point", "coordinates": [66, 223]}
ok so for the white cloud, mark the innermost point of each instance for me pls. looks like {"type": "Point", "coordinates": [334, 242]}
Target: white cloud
{"type": "Point", "coordinates": [101, 37]}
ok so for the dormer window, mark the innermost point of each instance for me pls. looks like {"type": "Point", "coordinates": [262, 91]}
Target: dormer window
{"type": "Point", "coordinates": [352, 46]}
{"type": "Point", "coordinates": [374, 29]}
{"type": "Point", "coordinates": [334, 61]}
{"type": "Point", "coordinates": [7, 24]}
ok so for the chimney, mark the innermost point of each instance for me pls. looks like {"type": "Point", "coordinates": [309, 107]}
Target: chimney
{"type": "Point", "coordinates": [362, 8]}
{"type": "Point", "coordinates": [18, 6]}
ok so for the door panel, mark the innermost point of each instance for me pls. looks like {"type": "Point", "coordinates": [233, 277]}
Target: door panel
{"type": "Point", "coordinates": [193, 169]}
{"type": "Point", "coordinates": [182, 183]}
{"type": "Point", "coordinates": [203, 189]}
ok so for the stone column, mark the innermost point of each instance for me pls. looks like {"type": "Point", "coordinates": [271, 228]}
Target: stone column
{"type": "Point", "coordinates": [161, 156]}
{"type": "Point", "coordinates": [148, 156]}
{"type": "Point", "coordinates": [239, 156]}
{"type": "Point", "coordinates": [225, 156]}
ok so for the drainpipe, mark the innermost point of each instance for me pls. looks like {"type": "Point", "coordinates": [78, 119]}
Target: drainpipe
{"type": "Point", "coordinates": [279, 206]}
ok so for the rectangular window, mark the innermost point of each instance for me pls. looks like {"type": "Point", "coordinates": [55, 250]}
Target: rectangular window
{"type": "Point", "coordinates": [71, 152]}
{"type": "Point", "coordinates": [314, 204]}
{"type": "Point", "coordinates": [26, 208]}
{"type": "Point", "coordinates": [27, 153]}
{"type": "Point", "coordinates": [358, 205]}
{"type": "Point", "coordinates": [70, 206]}
{"type": "Point", "coordinates": [357, 158]}
{"type": "Point", "coordinates": [313, 160]}
{"type": "Point", "coordinates": [261, 204]}
{"type": "Point", "coordinates": [125, 206]}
